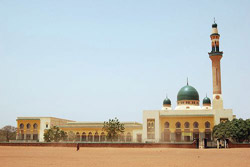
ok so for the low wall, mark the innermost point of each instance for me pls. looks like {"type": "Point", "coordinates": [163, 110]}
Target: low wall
{"type": "Point", "coordinates": [238, 145]}
{"type": "Point", "coordinates": [118, 145]}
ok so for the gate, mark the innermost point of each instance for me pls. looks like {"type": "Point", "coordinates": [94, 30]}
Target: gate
{"type": "Point", "coordinates": [211, 144]}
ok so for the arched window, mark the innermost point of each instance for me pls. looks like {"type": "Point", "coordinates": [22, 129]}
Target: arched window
{"type": "Point", "coordinates": [122, 137]}
{"type": "Point", "coordinates": [102, 137]}
{"type": "Point", "coordinates": [96, 137]}
{"type": "Point", "coordinates": [166, 125]}
{"type": "Point", "coordinates": [178, 125]}
{"type": "Point", "coordinates": [35, 126]}
{"type": "Point", "coordinates": [77, 136]}
{"type": "Point", "coordinates": [152, 125]}
{"type": "Point", "coordinates": [128, 137]}
{"type": "Point", "coordinates": [28, 126]}
{"type": "Point", "coordinates": [196, 125]}
{"type": "Point", "coordinates": [21, 126]}
{"type": "Point", "coordinates": [90, 137]}
{"type": "Point", "coordinates": [84, 136]}
{"type": "Point", "coordinates": [207, 125]}
{"type": "Point", "coordinates": [186, 125]}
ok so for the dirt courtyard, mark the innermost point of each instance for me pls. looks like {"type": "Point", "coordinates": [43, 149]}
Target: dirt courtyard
{"type": "Point", "coordinates": [11, 156]}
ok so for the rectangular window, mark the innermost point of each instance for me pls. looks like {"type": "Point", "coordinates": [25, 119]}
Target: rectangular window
{"type": "Point", "coordinates": [27, 136]}
{"type": "Point", "coordinates": [217, 77]}
{"type": "Point", "coordinates": [178, 136]}
{"type": "Point", "coordinates": [151, 128]}
{"type": "Point", "coordinates": [35, 136]}
{"type": "Point", "coordinates": [223, 119]}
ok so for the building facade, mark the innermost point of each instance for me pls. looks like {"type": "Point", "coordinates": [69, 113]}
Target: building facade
{"type": "Point", "coordinates": [31, 129]}
{"type": "Point", "coordinates": [187, 121]}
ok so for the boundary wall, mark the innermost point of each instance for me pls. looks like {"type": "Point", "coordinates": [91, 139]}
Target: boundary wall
{"type": "Point", "coordinates": [117, 145]}
{"type": "Point", "coordinates": [238, 145]}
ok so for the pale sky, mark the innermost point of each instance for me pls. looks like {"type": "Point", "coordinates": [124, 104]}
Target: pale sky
{"type": "Point", "coordinates": [93, 60]}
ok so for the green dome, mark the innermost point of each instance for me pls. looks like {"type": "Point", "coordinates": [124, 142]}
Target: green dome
{"type": "Point", "coordinates": [188, 93]}
{"type": "Point", "coordinates": [167, 101]}
{"type": "Point", "coordinates": [206, 100]}
{"type": "Point", "coordinates": [214, 25]}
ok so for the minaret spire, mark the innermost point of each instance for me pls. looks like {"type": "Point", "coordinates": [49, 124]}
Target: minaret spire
{"type": "Point", "coordinates": [215, 55]}
{"type": "Point", "coordinates": [187, 80]}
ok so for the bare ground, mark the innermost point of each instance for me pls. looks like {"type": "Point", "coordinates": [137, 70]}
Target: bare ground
{"type": "Point", "coordinates": [119, 157]}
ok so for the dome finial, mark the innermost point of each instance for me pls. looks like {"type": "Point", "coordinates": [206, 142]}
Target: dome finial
{"type": "Point", "coordinates": [187, 80]}
{"type": "Point", "coordinates": [214, 25]}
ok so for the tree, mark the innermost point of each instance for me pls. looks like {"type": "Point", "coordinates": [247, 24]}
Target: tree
{"type": "Point", "coordinates": [248, 129]}
{"type": "Point", "coordinates": [237, 130]}
{"type": "Point", "coordinates": [64, 136]}
{"type": "Point", "coordinates": [113, 128]}
{"type": "Point", "coordinates": [54, 134]}
{"type": "Point", "coordinates": [8, 133]}
{"type": "Point", "coordinates": [221, 131]}
{"type": "Point", "coordinates": [71, 136]}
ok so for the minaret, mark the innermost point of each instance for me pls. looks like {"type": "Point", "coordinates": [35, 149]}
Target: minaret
{"type": "Point", "coordinates": [215, 55]}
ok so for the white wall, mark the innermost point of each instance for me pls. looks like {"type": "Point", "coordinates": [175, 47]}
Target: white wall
{"type": "Point", "coordinates": [224, 113]}
{"type": "Point", "coordinates": [43, 122]}
{"type": "Point", "coordinates": [154, 114]}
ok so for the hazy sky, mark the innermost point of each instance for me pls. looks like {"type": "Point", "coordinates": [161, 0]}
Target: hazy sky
{"type": "Point", "coordinates": [93, 60]}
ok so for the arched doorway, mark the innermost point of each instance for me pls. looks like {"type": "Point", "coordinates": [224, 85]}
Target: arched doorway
{"type": "Point", "coordinates": [77, 136]}
{"type": "Point", "coordinates": [187, 133]}
{"type": "Point", "coordinates": [208, 135]}
{"type": "Point", "coordinates": [196, 134]}
{"type": "Point", "coordinates": [35, 132]}
{"type": "Point", "coordinates": [178, 131]}
{"type": "Point", "coordinates": [166, 136]}
{"type": "Point", "coordinates": [129, 137]}
{"type": "Point", "coordinates": [96, 137]}
{"type": "Point", "coordinates": [90, 137]}
{"type": "Point", "coordinates": [122, 139]}
{"type": "Point", "coordinates": [84, 138]}
{"type": "Point", "coordinates": [102, 137]}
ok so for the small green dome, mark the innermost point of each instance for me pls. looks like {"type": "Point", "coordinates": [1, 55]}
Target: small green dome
{"type": "Point", "coordinates": [167, 101]}
{"type": "Point", "coordinates": [188, 93]}
{"type": "Point", "coordinates": [214, 25]}
{"type": "Point", "coordinates": [206, 100]}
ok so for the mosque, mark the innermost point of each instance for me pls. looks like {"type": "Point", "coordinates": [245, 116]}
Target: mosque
{"type": "Point", "coordinates": [189, 120]}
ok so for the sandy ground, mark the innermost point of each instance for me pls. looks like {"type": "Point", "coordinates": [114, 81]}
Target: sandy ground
{"type": "Point", "coordinates": [119, 157]}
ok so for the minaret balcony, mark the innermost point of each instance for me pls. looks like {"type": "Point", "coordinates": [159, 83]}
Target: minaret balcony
{"type": "Point", "coordinates": [215, 53]}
